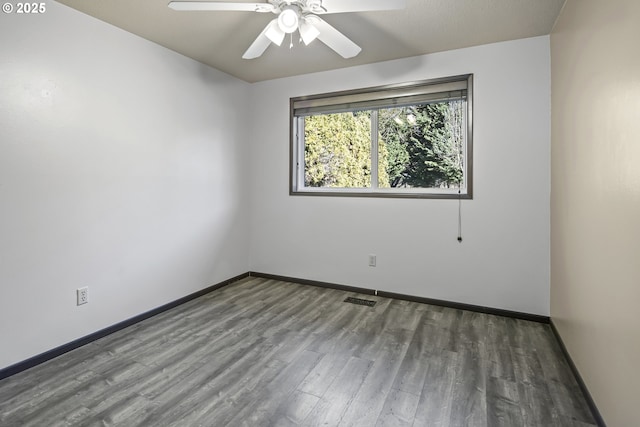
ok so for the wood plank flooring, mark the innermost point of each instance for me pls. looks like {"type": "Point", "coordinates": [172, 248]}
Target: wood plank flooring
{"type": "Point", "coordinates": [269, 353]}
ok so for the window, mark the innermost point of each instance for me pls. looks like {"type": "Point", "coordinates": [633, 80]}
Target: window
{"type": "Point", "coordinates": [405, 140]}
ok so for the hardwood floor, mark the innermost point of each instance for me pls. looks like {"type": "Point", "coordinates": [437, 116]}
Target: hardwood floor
{"type": "Point", "coordinates": [269, 353]}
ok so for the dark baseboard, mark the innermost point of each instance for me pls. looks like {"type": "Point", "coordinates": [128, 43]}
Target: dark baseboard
{"type": "Point", "coordinates": [312, 283]}
{"type": "Point", "coordinates": [48, 355]}
{"type": "Point", "coordinates": [583, 387]}
{"type": "Point", "coordinates": [385, 294]}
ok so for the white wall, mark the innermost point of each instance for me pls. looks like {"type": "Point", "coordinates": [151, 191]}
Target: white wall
{"type": "Point", "coordinates": [122, 168]}
{"type": "Point", "coordinates": [503, 261]}
{"type": "Point", "coordinates": [595, 198]}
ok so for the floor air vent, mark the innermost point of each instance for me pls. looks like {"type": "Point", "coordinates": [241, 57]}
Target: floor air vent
{"type": "Point", "coordinates": [360, 301]}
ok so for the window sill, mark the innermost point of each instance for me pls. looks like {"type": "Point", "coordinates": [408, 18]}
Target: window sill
{"type": "Point", "coordinates": [395, 194]}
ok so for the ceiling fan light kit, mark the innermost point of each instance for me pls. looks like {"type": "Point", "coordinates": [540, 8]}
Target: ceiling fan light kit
{"type": "Point", "coordinates": [288, 19]}
{"type": "Point", "coordinates": [300, 15]}
{"type": "Point", "coordinates": [308, 32]}
{"type": "Point", "coordinates": [274, 33]}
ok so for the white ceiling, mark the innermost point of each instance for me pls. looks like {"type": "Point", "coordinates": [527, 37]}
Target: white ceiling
{"type": "Point", "coordinates": [219, 39]}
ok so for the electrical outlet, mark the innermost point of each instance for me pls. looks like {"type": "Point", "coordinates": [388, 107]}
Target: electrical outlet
{"type": "Point", "coordinates": [83, 295]}
{"type": "Point", "coordinates": [372, 260]}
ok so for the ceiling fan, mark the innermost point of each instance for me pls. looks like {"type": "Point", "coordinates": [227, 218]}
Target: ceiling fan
{"type": "Point", "coordinates": [300, 15]}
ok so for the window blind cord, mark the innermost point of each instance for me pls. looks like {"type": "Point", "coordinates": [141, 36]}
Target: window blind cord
{"type": "Point", "coordinates": [459, 192]}
{"type": "Point", "coordinates": [459, 215]}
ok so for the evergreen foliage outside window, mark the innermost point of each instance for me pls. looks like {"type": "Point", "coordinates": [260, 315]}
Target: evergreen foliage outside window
{"type": "Point", "coordinates": [408, 140]}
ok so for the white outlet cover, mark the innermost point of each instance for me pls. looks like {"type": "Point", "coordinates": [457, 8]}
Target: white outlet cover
{"type": "Point", "coordinates": [82, 295]}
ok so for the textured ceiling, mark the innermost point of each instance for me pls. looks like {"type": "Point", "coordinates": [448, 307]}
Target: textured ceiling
{"type": "Point", "coordinates": [219, 39]}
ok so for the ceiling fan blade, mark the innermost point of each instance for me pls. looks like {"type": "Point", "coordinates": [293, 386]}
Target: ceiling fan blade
{"type": "Point", "coordinates": [262, 42]}
{"type": "Point", "coordinates": [224, 6]}
{"type": "Point", "coordinates": [343, 6]}
{"type": "Point", "coordinates": [334, 38]}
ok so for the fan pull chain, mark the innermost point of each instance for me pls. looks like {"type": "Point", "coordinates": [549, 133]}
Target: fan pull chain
{"type": "Point", "coordinates": [291, 41]}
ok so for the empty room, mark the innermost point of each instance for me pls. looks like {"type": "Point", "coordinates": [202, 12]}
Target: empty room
{"type": "Point", "coordinates": [319, 212]}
